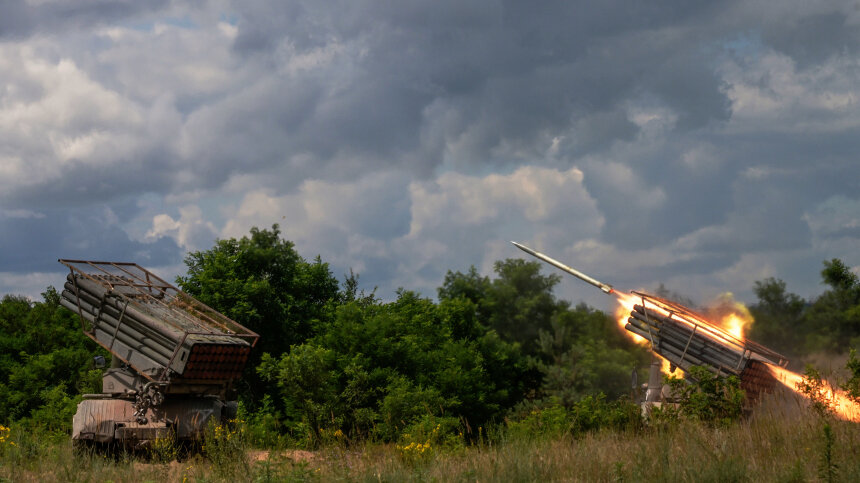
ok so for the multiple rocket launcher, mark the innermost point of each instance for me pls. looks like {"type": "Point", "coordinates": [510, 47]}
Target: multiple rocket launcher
{"type": "Point", "coordinates": [686, 338]}
{"type": "Point", "coordinates": [164, 343]}
{"type": "Point", "coordinates": [162, 333]}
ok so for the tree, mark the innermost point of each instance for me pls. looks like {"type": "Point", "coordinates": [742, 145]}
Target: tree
{"type": "Point", "coordinates": [839, 276]}
{"type": "Point", "coordinates": [586, 354]}
{"type": "Point", "coordinates": [261, 282]}
{"type": "Point", "coordinates": [778, 317]}
{"type": "Point", "coordinates": [833, 319]}
{"type": "Point", "coordinates": [377, 368]}
{"type": "Point", "coordinates": [574, 352]}
{"type": "Point", "coordinates": [794, 326]}
{"type": "Point", "coordinates": [45, 361]}
{"type": "Point", "coordinates": [518, 304]}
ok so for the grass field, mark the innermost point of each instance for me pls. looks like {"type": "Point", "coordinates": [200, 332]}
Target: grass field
{"type": "Point", "coordinates": [777, 442]}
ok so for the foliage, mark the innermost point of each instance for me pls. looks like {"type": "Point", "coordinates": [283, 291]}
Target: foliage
{"type": "Point", "coordinates": [827, 469]}
{"type": "Point", "coordinates": [341, 366]}
{"type": "Point", "coordinates": [778, 316]}
{"type": "Point", "coordinates": [593, 413]}
{"type": "Point", "coordinates": [574, 351]}
{"type": "Point", "coordinates": [45, 361]}
{"type": "Point", "coordinates": [796, 327]}
{"type": "Point", "coordinates": [852, 385]}
{"type": "Point", "coordinates": [817, 390]}
{"type": "Point", "coordinates": [708, 397]}
{"type": "Point", "coordinates": [589, 414]}
{"type": "Point", "coordinates": [379, 368]}
{"type": "Point", "coordinates": [163, 449]}
{"type": "Point", "coordinates": [773, 446]}
{"type": "Point", "coordinates": [225, 447]}
{"type": "Point", "coordinates": [263, 427]}
{"type": "Point", "coordinates": [584, 353]}
{"type": "Point", "coordinates": [835, 315]}
{"type": "Point", "coordinates": [261, 282]}
{"type": "Point", "coordinates": [441, 431]}
{"type": "Point", "coordinates": [422, 439]}
{"type": "Point", "coordinates": [551, 421]}
{"type": "Point", "coordinates": [5, 442]}
{"type": "Point", "coordinates": [307, 375]}
{"type": "Point", "coordinates": [517, 305]}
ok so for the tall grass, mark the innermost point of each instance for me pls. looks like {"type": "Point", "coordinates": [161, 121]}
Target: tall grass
{"type": "Point", "coordinates": [779, 441]}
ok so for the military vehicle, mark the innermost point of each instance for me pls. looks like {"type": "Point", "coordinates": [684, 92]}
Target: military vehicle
{"type": "Point", "coordinates": [174, 361]}
{"type": "Point", "coordinates": [686, 338]}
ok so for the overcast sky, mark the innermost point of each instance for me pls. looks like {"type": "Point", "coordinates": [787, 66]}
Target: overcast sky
{"type": "Point", "coordinates": [704, 145]}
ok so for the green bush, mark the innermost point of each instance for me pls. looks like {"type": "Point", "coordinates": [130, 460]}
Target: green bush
{"type": "Point", "coordinates": [442, 431]}
{"type": "Point", "coordinates": [708, 397]}
{"type": "Point", "coordinates": [379, 368]}
{"type": "Point", "coordinates": [263, 427]}
{"type": "Point", "coordinates": [852, 385]}
{"type": "Point", "coordinates": [589, 414]}
{"type": "Point", "coordinates": [540, 423]}
{"type": "Point", "coordinates": [593, 413]}
{"type": "Point", "coordinates": [45, 361]}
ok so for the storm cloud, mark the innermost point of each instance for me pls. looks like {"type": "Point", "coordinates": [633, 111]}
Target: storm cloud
{"type": "Point", "coordinates": [704, 145]}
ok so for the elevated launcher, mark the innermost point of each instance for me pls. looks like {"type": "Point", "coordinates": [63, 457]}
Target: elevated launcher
{"type": "Point", "coordinates": [173, 357]}
{"type": "Point", "coordinates": [686, 338]}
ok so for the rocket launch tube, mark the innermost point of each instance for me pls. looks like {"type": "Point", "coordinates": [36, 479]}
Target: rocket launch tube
{"type": "Point", "coordinates": [576, 273]}
{"type": "Point", "coordinates": [680, 336]}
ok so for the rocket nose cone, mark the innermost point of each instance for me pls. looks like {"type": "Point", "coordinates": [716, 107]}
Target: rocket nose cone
{"type": "Point", "coordinates": [523, 247]}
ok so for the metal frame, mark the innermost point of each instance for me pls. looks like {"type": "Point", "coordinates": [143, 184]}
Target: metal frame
{"type": "Point", "coordinates": [152, 295]}
{"type": "Point", "coordinates": [709, 334]}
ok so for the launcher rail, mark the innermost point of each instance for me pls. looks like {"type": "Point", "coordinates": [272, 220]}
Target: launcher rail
{"type": "Point", "coordinates": [163, 333]}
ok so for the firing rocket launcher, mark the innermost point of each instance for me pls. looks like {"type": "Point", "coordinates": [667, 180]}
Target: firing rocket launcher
{"type": "Point", "coordinates": [686, 338]}
{"type": "Point", "coordinates": [174, 360]}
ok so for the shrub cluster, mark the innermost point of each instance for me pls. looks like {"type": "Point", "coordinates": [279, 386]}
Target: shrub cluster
{"type": "Point", "coordinates": [707, 397]}
{"type": "Point", "coordinates": [589, 414]}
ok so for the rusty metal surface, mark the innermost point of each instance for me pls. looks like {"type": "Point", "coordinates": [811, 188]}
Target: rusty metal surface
{"type": "Point", "coordinates": [757, 379]}
{"type": "Point", "coordinates": [133, 432]}
{"type": "Point", "coordinates": [105, 420]}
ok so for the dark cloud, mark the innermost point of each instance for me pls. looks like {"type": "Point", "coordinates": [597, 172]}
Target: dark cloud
{"type": "Point", "coordinates": [77, 185]}
{"type": "Point", "coordinates": [507, 74]}
{"type": "Point", "coordinates": [811, 39]}
{"type": "Point", "coordinates": [34, 242]}
{"type": "Point", "coordinates": [712, 137]}
{"type": "Point", "coordinates": [20, 18]}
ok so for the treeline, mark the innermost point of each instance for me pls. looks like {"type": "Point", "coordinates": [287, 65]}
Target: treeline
{"type": "Point", "coordinates": [829, 323]}
{"type": "Point", "coordinates": [334, 361]}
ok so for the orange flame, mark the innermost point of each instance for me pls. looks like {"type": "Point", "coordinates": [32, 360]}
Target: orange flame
{"type": "Point", "coordinates": [843, 406]}
{"type": "Point", "coordinates": [734, 325]}
{"type": "Point", "coordinates": [730, 315]}
{"type": "Point", "coordinates": [625, 306]}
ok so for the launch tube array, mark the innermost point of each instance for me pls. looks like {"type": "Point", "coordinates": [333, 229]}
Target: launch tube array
{"type": "Point", "coordinates": [160, 340]}
{"type": "Point", "coordinates": [684, 342]}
